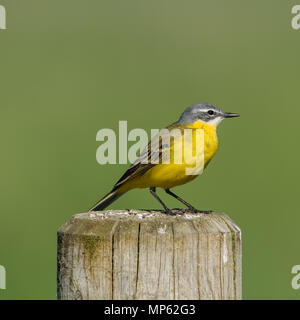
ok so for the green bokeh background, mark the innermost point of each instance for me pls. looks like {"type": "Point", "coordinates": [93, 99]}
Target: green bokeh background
{"type": "Point", "coordinates": [69, 68]}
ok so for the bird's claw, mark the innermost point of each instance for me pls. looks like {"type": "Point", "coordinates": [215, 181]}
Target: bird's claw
{"type": "Point", "coordinates": [172, 213]}
{"type": "Point", "coordinates": [181, 212]}
{"type": "Point", "coordinates": [194, 210]}
{"type": "Point", "coordinates": [205, 211]}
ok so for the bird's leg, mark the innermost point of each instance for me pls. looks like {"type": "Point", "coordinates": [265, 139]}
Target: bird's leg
{"type": "Point", "coordinates": [168, 211]}
{"type": "Point", "coordinates": [181, 200]}
{"type": "Point", "coordinates": [186, 203]}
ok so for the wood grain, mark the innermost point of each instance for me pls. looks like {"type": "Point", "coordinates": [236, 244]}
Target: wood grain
{"type": "Point", "coordinates": [136, 254]}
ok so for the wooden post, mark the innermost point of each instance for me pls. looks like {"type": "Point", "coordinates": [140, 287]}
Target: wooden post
{"type": "Point", "coordinates": [148, 255]}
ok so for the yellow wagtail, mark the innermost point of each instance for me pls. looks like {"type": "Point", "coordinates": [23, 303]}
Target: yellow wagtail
{"type": "Point", "coordinates": [151, 174]}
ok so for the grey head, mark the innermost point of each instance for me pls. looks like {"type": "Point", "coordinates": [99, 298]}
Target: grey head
{"type": "Point", "coordinates": [205, 112]}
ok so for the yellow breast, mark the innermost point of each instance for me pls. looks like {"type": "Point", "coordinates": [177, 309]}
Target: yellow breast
{"type": "Point", "coordinates": [210, 139]}
{"type": "Point", "coordinates": [170, 175]}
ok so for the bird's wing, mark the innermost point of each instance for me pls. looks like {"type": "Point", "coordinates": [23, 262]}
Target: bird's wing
{"type": "Point", "coordinates": [155, 152]}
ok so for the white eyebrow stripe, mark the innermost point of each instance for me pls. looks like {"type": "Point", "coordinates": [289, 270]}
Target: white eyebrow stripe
{"type": "Point", "coordinates": [202, 110]}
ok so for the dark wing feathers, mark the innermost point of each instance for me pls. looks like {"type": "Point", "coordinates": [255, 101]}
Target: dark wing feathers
{"type": "Point", "coordinates": [153, 151]}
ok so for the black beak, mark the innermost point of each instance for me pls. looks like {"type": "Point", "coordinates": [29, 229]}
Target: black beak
{"type": "Point", "coordinates": [231, 115]}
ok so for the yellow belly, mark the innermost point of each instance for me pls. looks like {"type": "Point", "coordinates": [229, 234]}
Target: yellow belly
{"type": "Point", "coordinates": [164, 176]}
{"type": "Point", "coordinates": [170, 175]}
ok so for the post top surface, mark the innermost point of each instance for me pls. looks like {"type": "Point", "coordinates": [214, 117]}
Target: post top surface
{"type": "Point", "coordinates": [98, 221]}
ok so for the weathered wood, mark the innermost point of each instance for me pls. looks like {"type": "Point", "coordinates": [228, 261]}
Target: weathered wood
{"type": "Point", "coordinates": [149, 255]}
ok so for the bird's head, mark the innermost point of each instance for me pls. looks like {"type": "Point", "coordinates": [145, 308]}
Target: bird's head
{"type": "Point", "coordinates": [205, 112]}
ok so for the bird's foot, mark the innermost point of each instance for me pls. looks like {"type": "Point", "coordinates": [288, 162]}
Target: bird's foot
{"type": "Point", "coordinates": [206, 211]}
{"type": "Point", "coordinates": [170, 212]}
{"type": "Point", "coordinates": [174, 213]}
{"type": "Point", "coordinates": [194, 210]}
{"type": "Point", "coordinates": [181, 212]}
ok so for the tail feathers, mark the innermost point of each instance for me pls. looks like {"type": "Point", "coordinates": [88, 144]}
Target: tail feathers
{"type": "Point", "coordinates": [106, 201]}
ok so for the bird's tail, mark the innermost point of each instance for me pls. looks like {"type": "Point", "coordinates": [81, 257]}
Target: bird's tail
{"type": "Point", "coordinates": [106, 201]}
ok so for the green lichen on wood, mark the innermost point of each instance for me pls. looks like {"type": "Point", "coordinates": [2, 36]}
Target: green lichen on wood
{"type": "Point", "coordinates": [90, 244]}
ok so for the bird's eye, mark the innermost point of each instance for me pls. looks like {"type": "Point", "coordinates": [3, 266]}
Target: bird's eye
{"type": "Point", "coordinates": [210, 112]}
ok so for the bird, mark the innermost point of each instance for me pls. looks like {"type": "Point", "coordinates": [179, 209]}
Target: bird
{"type": "Point", "coordinates": [146, 173]}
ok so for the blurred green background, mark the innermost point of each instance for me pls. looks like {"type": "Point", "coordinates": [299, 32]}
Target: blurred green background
{"type": "Point", "coordinates": [69, 68]}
